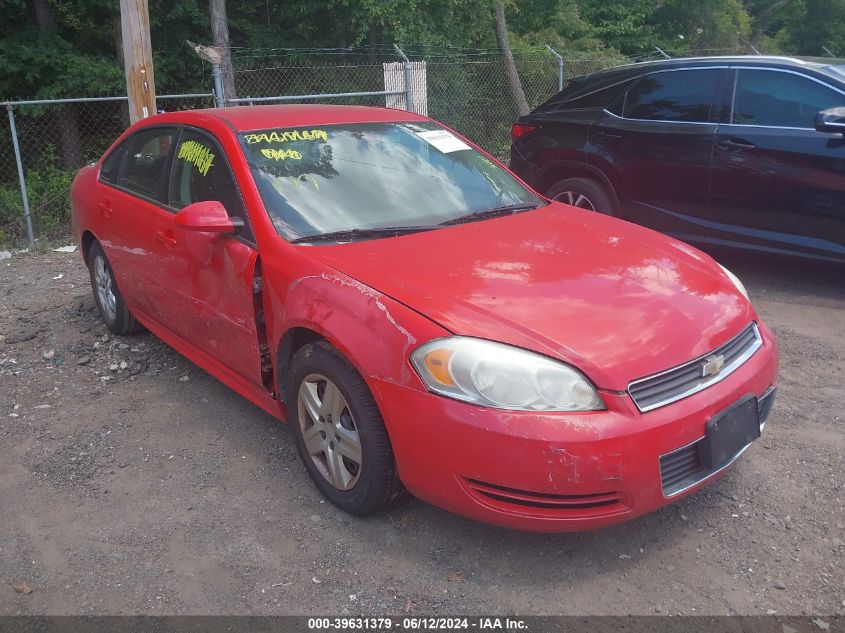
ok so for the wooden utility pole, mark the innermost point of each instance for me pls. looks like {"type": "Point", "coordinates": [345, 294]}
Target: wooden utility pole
{"type": "Point", "coordinates": [220, 33]}
{"type": "Point", "coordinates": [138, 59]}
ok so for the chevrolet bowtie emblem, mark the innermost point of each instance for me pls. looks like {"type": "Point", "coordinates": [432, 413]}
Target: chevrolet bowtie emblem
{"type": "Point", "coordinates": [712, 365]}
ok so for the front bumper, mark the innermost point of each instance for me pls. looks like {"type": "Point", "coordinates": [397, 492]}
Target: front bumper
{"type": "Point", "coordinates": [556, 472]}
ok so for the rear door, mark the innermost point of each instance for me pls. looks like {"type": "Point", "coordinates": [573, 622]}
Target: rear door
{"type": "Point", "coordinates": [203, 282]}
{"type": "Point", "coordinates": [655, 145]}
{"type": "Point", "coordinates": [777, 184]}
{"type": "Point", "coordinates": [133, 186]}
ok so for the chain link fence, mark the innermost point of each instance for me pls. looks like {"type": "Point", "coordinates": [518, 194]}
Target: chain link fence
{"type": "Point", "coordinates": [467, 89]}
{"type": "Point", "coordinates": [55, 138]}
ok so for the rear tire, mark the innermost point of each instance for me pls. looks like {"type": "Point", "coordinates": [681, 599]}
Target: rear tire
{"type": "Point", "coordinates": [584, 193]}
{"type": "Point", "coordinates": [110, 303]}
{"type": "Point", "coordinates": [339, 431]}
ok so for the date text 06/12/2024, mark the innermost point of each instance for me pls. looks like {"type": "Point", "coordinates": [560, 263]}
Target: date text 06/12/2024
{"type": "Point", "coordinates": [416, 624]}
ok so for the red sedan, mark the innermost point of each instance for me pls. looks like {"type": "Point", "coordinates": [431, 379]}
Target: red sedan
{"type": "Point", "coordinates": [421, 318]}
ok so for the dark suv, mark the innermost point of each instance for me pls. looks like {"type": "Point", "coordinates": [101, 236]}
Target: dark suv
{"type": "Point", "coordinates": [735, 151]}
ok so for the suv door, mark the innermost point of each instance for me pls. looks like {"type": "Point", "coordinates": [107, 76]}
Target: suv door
{"type": "Point", "coordinates": [655, 144]}
{"type": "Point", "coordinates": [203, 285]}
{"type": "Point", "coordinates": [132, 186]}
{"type": "Point", "coordinates": [777, 184]}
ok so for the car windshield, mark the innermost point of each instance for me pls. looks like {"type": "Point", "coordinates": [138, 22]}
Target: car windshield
{"type": "Point", "coordinates": [321, 180]}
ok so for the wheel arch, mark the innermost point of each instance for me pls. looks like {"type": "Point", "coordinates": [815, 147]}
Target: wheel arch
{"type": "Point", "coordinates": [88, 239]}
{"type": "Point", "coordinates": [558, 171]}
{"type": "Point", "coordinates": [294, 339]}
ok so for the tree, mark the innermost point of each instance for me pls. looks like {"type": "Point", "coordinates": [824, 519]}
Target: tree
{"type": "Point", "coordinates": [518, 101]}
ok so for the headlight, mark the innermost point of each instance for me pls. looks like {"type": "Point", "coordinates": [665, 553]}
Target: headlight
{"type": "Point", "coordinates": [497, 375]}
{"type": "Point", "coordinates": [737, 282]}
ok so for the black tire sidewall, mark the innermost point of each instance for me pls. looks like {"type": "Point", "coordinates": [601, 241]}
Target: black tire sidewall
{"type": "Point", "coordinates": [371, 492]}
{"type": "Point", "coordinates": [595, 191]}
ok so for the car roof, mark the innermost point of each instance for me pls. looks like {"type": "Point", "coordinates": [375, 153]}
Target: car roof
{"type": "Point", "coordinates": [578, 87]}
{"type": "Point", "coordinates": [256, 117]}
{"type": "Point", "coordinates": [769, 61]}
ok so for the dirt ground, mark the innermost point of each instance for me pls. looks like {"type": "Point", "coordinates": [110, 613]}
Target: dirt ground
{"type": "Point", "coordinates": [133, 482]}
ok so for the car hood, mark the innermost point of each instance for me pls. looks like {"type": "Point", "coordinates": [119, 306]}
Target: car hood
{"type": "Point", "coordinates": [614, 299]}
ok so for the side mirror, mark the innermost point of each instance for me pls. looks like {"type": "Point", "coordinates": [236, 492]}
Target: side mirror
{"type": "Point", "coordinates": [208, 217]}
{"type": "Point", "coordinates": [831, 120]}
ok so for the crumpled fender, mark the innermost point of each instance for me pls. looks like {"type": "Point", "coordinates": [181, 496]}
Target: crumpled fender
{"type": "Point", "coordinates": [374, 332]}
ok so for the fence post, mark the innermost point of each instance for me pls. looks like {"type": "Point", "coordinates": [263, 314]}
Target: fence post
{"type": "Point", "coordinates": [21, 177]}
{"type": "Point", "coordinates": [219, 97]}
{"type": "Point", "coordinates": [559, 67]}
{"type": "Point", "coordinates": [662, 52]}
{"type": "Point", "coordinates": [409, 89]}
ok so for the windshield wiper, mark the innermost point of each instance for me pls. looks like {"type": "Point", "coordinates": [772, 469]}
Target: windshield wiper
{"type": "Point", "coordinates": [490, 213]}
{"type": "Point", "coordinates": [358, 234]}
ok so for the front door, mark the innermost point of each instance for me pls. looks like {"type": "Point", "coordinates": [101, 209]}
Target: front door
{"type": "Point", "coordinates": [204, 281]}
{"type": "Point", "coordinates": [777, 184]}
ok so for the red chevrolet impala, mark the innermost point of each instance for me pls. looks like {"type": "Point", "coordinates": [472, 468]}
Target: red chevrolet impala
{"type": "Point", "coordinates": [421, 318]}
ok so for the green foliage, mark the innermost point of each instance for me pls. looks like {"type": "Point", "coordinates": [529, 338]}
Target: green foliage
{"type": "Point", "coordinates": [79, 55]}
{"type": "Point", "coordinates": [76, 52]}
{"type": "Point", "coordinates": [48, 189]}
{"type": "Point", "coordinates": [710, 25]}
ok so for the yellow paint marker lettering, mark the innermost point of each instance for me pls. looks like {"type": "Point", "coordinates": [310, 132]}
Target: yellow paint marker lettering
{"type": "Point", "coordinates": [198, 155]}
{"type": "Point", "coordinates": [281, 154]}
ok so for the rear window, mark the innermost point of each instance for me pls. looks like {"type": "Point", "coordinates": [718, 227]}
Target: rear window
{"type": "Point", "coordinates": [577, 95]}
{"type": "Point", "coordinates": [144, 169]}
{"type": "Point", "coordinates": [322, 179]}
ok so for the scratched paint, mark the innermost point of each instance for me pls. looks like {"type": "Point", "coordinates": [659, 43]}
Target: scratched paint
{"type": "Point", "coordinates": [366, 290]}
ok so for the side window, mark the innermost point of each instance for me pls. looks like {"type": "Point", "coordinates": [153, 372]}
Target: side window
{"type": "Point", "coordinates": [144, 169]}
{"type": "Point", "coordinates": [779, 99]}
{"type": "Point", "coordinates": [201, 172]}
{"type": "Point", "coordinates": [681, 95]}
{"type": "Point", "coordinates": [111, 165]}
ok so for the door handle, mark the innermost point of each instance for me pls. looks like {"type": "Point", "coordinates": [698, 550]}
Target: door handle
{"type": "Point", "coordinates": [105, 210]}
{"type": "Point", "coordinates": [732, 144]}
{"type": "Point", "coordinates": [166, 238]}
{"type": "Point", "coordinates": [603, 137]}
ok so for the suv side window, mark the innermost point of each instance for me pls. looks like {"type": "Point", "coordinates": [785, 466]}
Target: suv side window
{"type": "Point", "coordinates": [679, 95]}
{"type": "Point", "coordinates": [145, 164]}
{"type": "Point", "coordinates": [780, 99]}
{"type": "Point", "coordinates": [201, 172]}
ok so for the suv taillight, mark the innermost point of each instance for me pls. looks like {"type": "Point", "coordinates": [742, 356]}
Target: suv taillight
{"type": "Point", "coordinates": [521, 129]}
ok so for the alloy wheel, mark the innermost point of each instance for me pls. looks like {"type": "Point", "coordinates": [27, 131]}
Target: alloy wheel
{"type": "Point", "coordinates": [329, 431]}
{"type": "Point", "coordinates": [575, 199]}
{"type": "Point", "coordinates": [105, 288]}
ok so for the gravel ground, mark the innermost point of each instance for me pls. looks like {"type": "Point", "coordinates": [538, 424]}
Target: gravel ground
{"type": "Point", "coordinates": [132, 482]}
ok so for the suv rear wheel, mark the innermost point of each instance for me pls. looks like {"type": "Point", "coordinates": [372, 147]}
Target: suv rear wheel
{"type": "Point", "coordinates": [584, 193]}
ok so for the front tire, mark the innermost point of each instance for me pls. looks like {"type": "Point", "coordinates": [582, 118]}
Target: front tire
{"type": "Point", "coordinates": [339, 431]}
{"type": "Point", "coordinates": [110, 303]}
{"type": "Point", "coordinates": [584, 193]}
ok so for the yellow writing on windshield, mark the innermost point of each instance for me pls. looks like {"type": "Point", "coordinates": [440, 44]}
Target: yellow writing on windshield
{"type": "Point", "coordinates": [281, 154]}
{"type": "Point", "coordinates": [291, 135]}
{"type": "Point", "coordinates": [198, 155]}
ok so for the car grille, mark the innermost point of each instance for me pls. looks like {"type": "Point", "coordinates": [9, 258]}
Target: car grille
{"type": "Point", "coordinates": [682, 468]}
{"type": "Point", "coordinates": [682, 381]}
{"type": "Point", "coordinates": [513, 499]}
